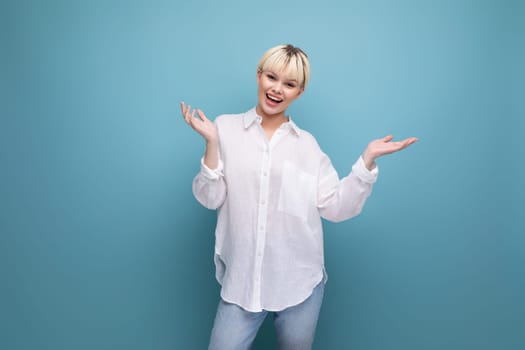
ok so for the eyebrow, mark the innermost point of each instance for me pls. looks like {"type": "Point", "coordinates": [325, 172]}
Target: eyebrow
{"type": "Point", "coordinates": [288, 80]}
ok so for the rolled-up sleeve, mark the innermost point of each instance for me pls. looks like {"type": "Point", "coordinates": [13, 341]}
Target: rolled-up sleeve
{"type": "Point", "coordinates": [209, 187]}
{"type": "Point", "coordinates": [340, 200]}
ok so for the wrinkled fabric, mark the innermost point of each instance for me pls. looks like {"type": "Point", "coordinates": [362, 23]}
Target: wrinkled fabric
{"type": "Point", "coordinates": [270, 196]}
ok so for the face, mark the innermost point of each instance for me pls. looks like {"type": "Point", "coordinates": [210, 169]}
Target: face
{"type": "Point", "coordinates": [276, 92]}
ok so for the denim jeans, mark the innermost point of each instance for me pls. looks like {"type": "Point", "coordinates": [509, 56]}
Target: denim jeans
{"type": "Point", "coordinates": [235, 328]}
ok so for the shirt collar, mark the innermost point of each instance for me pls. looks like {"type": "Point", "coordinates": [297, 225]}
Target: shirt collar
{"type": "Point", "coordinates": [251, 116]}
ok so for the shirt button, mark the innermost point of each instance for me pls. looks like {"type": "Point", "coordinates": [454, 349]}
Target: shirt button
{"type": "Point", "coordinates": [263, 202]}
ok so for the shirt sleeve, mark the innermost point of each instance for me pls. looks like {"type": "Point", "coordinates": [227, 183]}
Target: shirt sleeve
{"type": "Point", "coordinates": [209, 187]}
{"type": "Point", "coordinates": [340, 200]}
{"type": "Point", "coordinates": [212, 174]}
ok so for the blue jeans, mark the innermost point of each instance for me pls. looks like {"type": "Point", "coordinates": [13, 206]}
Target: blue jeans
{"type": "Point", "coordinates": [235, 328]}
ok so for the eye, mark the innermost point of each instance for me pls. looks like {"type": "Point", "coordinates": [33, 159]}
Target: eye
{"type": "Point", "coordinates": [270, 76]}
{"type": "Point", "coordinates": [290, 85]}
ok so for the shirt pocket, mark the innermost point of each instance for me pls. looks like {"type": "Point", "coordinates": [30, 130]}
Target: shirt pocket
{"type": "Point", "coordinates": [298, 191]}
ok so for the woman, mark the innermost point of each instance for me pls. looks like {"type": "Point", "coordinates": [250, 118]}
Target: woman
{"type": "Point", "coordinates": [272, 184]}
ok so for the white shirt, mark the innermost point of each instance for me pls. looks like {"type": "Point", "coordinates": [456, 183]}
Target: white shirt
{"type": "Point", "coordinates": [270, 196]}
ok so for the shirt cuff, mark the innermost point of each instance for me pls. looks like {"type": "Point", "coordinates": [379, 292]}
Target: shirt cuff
{"type": "Point", "coordinates": [212, 174]}
{"type": "Point", "coordinates": [363, 173]}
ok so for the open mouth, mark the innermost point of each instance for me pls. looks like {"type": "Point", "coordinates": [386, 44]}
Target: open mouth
{"type": "Point", "coordinates": [273, 99]}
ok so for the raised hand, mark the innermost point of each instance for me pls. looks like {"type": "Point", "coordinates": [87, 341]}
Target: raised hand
{"type": "Point", "coordinates": [205, 127]}
{"type": "Point", "coordinates": [208, 130]}
{"type": "Point", "coordinates": [381, 147]}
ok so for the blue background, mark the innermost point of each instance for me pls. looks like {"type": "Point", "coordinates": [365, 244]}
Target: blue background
{"type": "Point", "coordinates": [103, 246]}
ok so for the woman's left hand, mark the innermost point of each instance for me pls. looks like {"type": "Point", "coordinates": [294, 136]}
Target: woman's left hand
{"type": "Point", "coordinates": [381, 147]}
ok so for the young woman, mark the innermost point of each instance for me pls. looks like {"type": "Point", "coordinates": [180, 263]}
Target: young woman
{"type": "Point", "coordinates": [271, 184]}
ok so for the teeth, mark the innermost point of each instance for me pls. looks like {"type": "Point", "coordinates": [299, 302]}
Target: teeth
{"type": "Point", "coordinates": [273, 98]}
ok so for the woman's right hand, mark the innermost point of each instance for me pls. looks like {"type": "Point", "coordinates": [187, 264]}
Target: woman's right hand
{"type": "Point", "coordinates": [205, 127]}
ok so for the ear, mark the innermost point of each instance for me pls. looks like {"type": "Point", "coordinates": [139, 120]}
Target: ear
{"type": "Point", "coordinates": [258, 76]}
{"type": "Point", "coordinates": [300, 93]}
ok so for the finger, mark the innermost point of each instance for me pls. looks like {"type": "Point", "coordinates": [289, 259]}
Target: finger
{"type": "Point", "coordinates": [410, 141]}
{"type": "Point", "coordinates": [387, 138]}
{"type": "Point", "coordinates": [407, 142]}
{"type": "Point", "coordinates": [201, 115]}
{"type": "Point", "coordinates": [194, 122]}
{"type": "Point", "coordinates": [191, 121]}
{"type": "Point", "coordinates": [183, 109]}
{"type": "Point", "coordinates": [187, 114]}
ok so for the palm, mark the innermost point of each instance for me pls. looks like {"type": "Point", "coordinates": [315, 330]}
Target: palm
{"type": "Point", "coordinates": [384, 146]}
{"type": "Point", "coordinates": [202, 125]}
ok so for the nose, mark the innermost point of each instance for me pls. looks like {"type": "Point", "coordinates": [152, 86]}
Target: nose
{"type": "Point", "coordinates": [277, 87]}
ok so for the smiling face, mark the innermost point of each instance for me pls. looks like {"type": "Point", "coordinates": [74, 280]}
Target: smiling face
{"type": "Point", "coordinates": [282, 75]}
{"type": "Point", "coordinates": [276, 91]}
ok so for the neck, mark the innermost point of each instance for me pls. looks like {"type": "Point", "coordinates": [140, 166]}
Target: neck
{"type": "Point", "coordinates": [272, 121]}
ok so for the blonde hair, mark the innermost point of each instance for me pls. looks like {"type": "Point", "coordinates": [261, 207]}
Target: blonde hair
{"type": "Point", "coordinates": [289, 59]}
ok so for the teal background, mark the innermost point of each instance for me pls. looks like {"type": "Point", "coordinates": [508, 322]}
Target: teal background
{"type": "Point", "coordinates": [103, 246]}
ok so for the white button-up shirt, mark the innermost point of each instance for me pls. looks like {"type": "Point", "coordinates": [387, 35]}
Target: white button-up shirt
{"type": "Point", "coordinates": [270, 196]}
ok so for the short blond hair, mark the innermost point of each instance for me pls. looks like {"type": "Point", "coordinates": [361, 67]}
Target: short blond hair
{"type": "Point", "coordinates": [289, 59]}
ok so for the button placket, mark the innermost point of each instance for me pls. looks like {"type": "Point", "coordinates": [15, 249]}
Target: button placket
{"type": "Point", "coordinates": [261, 220]}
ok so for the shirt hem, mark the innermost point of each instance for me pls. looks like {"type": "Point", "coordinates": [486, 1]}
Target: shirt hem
{"type": "Point", "coordinates": [323, 279]}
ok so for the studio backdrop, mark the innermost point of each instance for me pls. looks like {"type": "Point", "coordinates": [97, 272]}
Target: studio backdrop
{"type": "Point", "coordinates": [103, 246]}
